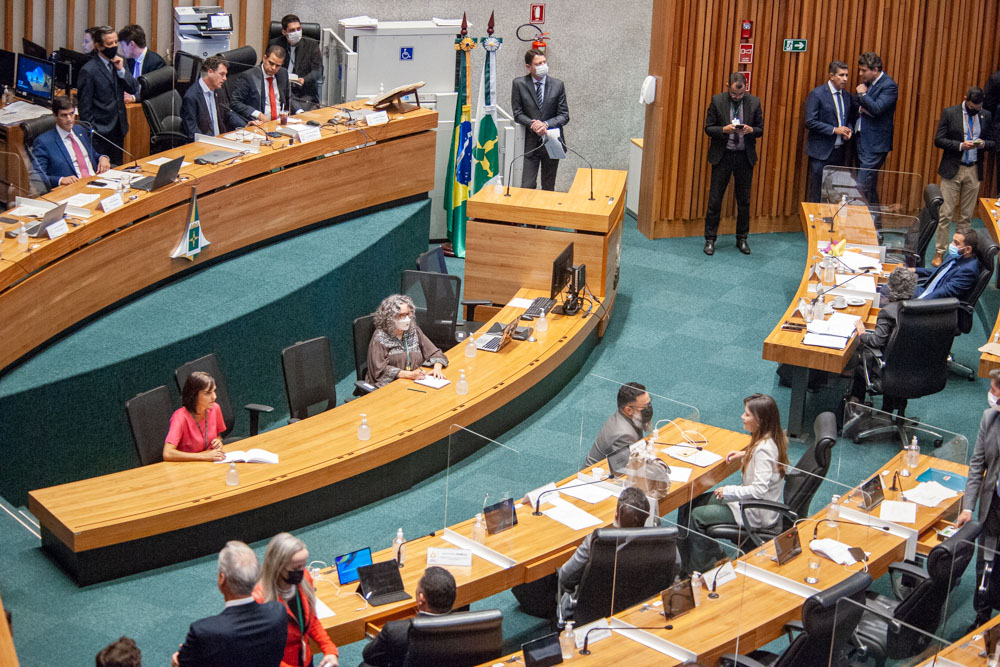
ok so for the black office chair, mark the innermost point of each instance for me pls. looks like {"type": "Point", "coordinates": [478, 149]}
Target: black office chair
{"type": "Point", "coordinates": [210, 364]}
{"type": "Point", "coordinates": [363, 329]}
{"type": "Point", "coordinates": [149, 421]}
{"type": "Point", "coordinates": [436, 297]}
{"type": "Point", "coordinates": [626, 566]}
{"type": "Point", "coordinates": [239, 60]}
{"type": "Point", "coordinates": [158, 81]}
{"type": "Point", "coordinates": [823, 634]}
{"type": "Point", "coordinates": [309, 377]}
{"type": "Point", "coordinates": [187, 68]}
{"type": "Point", "coordinates": [432, 261]}
{"type": "Point", "coordinates": [913, 364]}
{"type": "Point", "coordinates": [458, 639]}
{"type": "Point", "coordinates": [313, 30]}
{"type": "Point", "coordinates": [986, 253]}
{"type": "Point", "coordinates": [886, 630]}
{"type": "Point", "coordinates": [914, 242]}
{"type": "Point", "coordinates": [31, 130]}
{"type": "Point", "coordinates": [161, 104]}
{"type": "Point", "coordinates": [800, 487]}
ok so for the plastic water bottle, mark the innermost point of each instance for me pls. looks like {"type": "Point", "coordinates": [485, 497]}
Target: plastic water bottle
{"type": "Point", "coordinates": [498, 185]}
{"type": "Point", "coordinates": [913, 456]}
{"type": "Point", "coordinates": [479, 530]}
{"type": "Point", "coordinates": [696, 586]}
{"type": "Point", "coordinates": [399, 548]}
{"type": "Point", "coordinates": [462, 386]}
{"type": "Point", "coordinates": [22, 236]}
{"type": "Point", "coordinates": [542, 323]}
{"type": "Point", "coordinates": [364, 431]}
{"type": "Point", "coordinates": [833, 511]}
{"type": "Point", "coordinates": [232, 475]}
{"type": "Point", "coordinates": [567, 641]}
{"type": "Point", "coordinates": [470, 347]}
{"type": "Point", "coordinates": [842, 213]}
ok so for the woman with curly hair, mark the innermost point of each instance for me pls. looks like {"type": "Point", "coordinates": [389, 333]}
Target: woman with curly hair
{"type": "Point", "coordinates": [399, 348]}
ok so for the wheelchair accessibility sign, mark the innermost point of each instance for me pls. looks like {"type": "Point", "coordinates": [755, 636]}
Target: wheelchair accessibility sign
{"type": "Point", "coordinates": [406, 53]}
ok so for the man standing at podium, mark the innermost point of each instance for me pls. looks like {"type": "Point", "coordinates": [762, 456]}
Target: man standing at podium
{"type": "Point", "coordinates": [539, 103]}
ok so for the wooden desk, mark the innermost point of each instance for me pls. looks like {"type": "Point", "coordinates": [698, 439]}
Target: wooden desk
{"type": "Point", "coordinates": [989, 211]}
{"type": "Point", "coordinates": [785, 347]}
{"type": "Point", "coordinates": [964, 651]}
{"type": "Point", "coordinates": [55, 284]}
{"type": "Point", "coordinates": [87, 524]}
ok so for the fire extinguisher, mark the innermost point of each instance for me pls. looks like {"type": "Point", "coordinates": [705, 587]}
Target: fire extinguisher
{"type": "Point", "coordinates": [538, 40]}
{"type": "Point", "coordinates": [540, 43]}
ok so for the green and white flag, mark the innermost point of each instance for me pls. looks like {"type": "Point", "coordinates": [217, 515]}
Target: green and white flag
{"type": "Point", "coordinates": [194, 240]}
{"type": "Point", "coordinates": [486, 154]}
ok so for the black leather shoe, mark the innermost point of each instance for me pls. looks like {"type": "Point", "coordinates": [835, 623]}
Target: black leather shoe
{"type": "Point", "coordinates": [742, 245]}
{"type": "Point", "coordinates": [709, 248]}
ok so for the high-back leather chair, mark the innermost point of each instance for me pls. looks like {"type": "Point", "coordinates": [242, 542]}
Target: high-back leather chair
{"type": "Point", "coordinates": [437, 300]}
{"type": "Point", "coordinates": [309, 377]}
{"type": "Point", "coordinates": [313, 30]}
{"type": "Point", "coordinates": [162, 110]}
{"type": "Point", "coordinates": [432, 261]}
{"type": "Point", "coordinates": [239, 60]}
{"type": "Point", "coordinates": [149, 421]}
{"type": "Point", "coordinates": [31, 130]}
{"type": "Point", "coordinates": [363, 329]}
{"type": "Point", "coordinates": [917, 239]}
{"type": "Point", "coordinates": [210, 364]}
{"type": "Point", "coordinates": [158, 81]}
{"type": "Point", "coordinates": [187, 68]}
{"type": "Point", "coordinates": [455, 640]}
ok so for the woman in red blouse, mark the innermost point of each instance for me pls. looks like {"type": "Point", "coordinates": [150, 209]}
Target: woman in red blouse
{"type": "Point", "coordinates": [195, 427]}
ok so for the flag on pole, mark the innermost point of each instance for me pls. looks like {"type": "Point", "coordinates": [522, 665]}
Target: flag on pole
{"type": "Point", "coordinates": [459, 175]}
{"type": "Point", "coordinates": [194, 241]}
{"type": "Point", "coordinates": [486, 154]}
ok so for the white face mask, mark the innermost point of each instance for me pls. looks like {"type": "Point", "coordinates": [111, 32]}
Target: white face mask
{"type": "Point", "coordinates": [541, 70]}
{"type": "Point", "coordinates": [992, 400]}
{"type": "Point", "coordinates": [403, 323]}
{"type": "Point", "coordinates": [294, 36]}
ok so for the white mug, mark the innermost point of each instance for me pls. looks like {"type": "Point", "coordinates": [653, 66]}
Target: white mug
{"type": "Point", "coordinates": [839, 301]}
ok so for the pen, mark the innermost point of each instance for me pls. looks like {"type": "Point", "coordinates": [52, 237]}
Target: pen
{"type": "Point", "coordinates": [418, 390]}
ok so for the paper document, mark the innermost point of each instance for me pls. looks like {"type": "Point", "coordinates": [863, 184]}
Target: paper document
{"type": "Point", "coordinates": [533, 495]}
{"type": "Point", "coordinates": [719, 576]}
{"type": "Point", "coordinates": [322, 611]}
{"type": "Point", "coordinates": [80, 200]}
{"type": "Point", "coordinates": [824, 340]}
{"type": "Point", "coordinates": [433, 382]}
{"type": "Point", "coordinates": [360, 22]}
{"type": "Point", "coordinates": [679, 474]}
{"type": "Point", "coordinates": [858, 262]}
{"type": "Point", "coordinates": [27, 211]}
{"type": "Point", "coordinates": [832, 549]}
{"type": "Point", "coordinates": [590, 493]}
{"type": "Point", "coordinates": [929, 494]}
{"type": "Point", "coordinates": [839, 324]}
{"type": "Point", "coordinates": [859, 285]}
{"type": "Point", "coordinates": [702, 458]}
{"type": "Point", "coordinates": [163, 160]}
{"type": "Point", "coordinates": [991, 348]}
{"type": "Point", "coordinates": [570, 515]}
{"type": "Point", "coordinates": [519, 303]}
{"type": "Point", "coordinates": [898, 512]}
{"type": "Point", "coordinates": [250, 456]}
{"type": "Point", "coordinates": [553, 146]}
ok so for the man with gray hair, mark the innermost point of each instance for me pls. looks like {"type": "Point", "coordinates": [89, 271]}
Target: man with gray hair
{"type": "Point", "coordinates": [245, 634]}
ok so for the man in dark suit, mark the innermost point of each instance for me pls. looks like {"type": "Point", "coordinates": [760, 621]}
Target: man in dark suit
{"type": "Point", "coordinates": [734, 121]}
{"type": "Point", "coordinates": [245, 634]}
{"type": "Point", "coordinates": [435, 597]}
{"type": "Point", "coordinates": [965, 135]}
{"type": "Point", "coordinates": [260, 93]}
{"type": "Point", "coordinates": [874, 128]}
{"type": "Point", "coordinates": [956, 275]}
{"type": "Point", "coordinates": [304, 61]}
{"type": "Point", "coordinates": [64, 154]}
{"type": "Point", "coordinates": [101, 92]}
{"type": "Point", "coordinates": [204, 109]}
{"type": "Point", "coordinates": [539, 103]}
{"type": "Point", "coordinates": [829, 114]}
{"type": "Point", "coordinates": [138, 59]}
{"type": "Point", "coordinates": [625, 427]}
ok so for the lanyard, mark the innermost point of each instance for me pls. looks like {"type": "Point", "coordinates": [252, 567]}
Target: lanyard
{"type": "Point", "coordinates": [970, 122]}
{"type": "Point", "coordinates": [406, 347]}
{"type": "Point", "coordinates": [302, 626]}
{"type": "Point", "coordinates": [736, 109]}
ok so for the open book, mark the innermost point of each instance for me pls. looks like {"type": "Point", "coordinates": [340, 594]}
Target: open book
{"type": "Point", "coordinates": [250, 456]}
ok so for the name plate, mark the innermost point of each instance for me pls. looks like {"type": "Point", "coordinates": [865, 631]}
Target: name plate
{"type": "Point", "coordinates": [109, 204]}
{"type": "Point", "coordinates": [308, 134]}
{"type": "Point", "coordinates": [453, 557]}
{"type": "Point", "coordinates": [57, 229]}
{"type": "Point", "coordinates": [377, 118]}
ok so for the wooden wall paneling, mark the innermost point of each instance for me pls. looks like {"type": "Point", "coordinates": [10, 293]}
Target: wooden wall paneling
{"type": "Point", "coordinates": [91, 14]}
{"type": "Point", "coordinates": [265, 22]}
{"type": "Point", "coordinates": [50, 12]}
{"type": "Point", "coordinates": [154, 27]}
{"type": "Point", "coordinates": [71, 25]}
{"type": "Point", "coordinates": [8, 25]}
{"type": "Point", "coordinates": [132, 12]}
{"type": "Point", "coordinates": [113, 14]}
{"type": "Point", "coordinates": [242, 30]}
{"type": "Point", "coordinates": [29, 19]}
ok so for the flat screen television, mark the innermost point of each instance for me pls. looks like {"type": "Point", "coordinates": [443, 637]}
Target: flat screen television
{"type": "Point", "coordinates": [34, 79]}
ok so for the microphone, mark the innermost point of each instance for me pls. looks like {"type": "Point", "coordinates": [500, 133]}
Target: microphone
{"type": "Point", "coordinates": [820, 522]}
{"type": "Point", "coordinates": [538, 500]}
{"type": "Point", "coordinates": [820, 292]}
{"type": "Point", "coordinates": [834, 216]}
{"type": "Point", "coordinates": [711, 589]}
{"type": "Point", "coordinates": [588, 164]}
{"type": "Point", "coordinates": [586, 637]}
{"type": "Point", "coordinates": [135, 167]}
{"type": "Point", "coordinates": [510, 169]}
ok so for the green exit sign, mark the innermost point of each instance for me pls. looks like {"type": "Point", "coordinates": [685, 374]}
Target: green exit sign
{"type": "Point", "coordinates": [795, 45]}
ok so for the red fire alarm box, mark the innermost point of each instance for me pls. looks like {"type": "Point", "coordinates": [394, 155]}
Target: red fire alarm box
{"type": "Point", "coordinates": [746, 54]}
{"type": "Point", "coordinates": [538, 12]}
{"type": "Point", "coordinates": [746, 29]}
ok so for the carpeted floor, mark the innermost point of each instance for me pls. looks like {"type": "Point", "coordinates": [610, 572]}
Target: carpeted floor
{"type": "Point", "coordinates": [688, 326]}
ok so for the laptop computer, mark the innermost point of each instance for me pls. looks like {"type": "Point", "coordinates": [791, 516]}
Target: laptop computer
{"type": "Point", "coordinates": [872, 493]}
{"type": "Point", "coordinates": [348, 564]}
{"type": "Point", "coordinates": [381, 583]}
{"type": "Point", "coordinates": [498, 336]}
{"type": "Point", "coordinates": [52, 216]}
{"type": "Point", "coordinates": [164, 176]}
{"type": "Point", "coordinates": [542, 652]}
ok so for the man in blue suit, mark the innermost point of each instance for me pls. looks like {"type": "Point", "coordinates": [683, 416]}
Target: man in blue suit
{"type": "Point", "coordinates": [64, 154]}
{"type": "Point", "coordinates": [829, 114]}
{"type": "Point", "coordinates": [876, 100]}
{"type": "Point", "coordinates": [245, 634]}
{"type": "Point", "coordinates": [957, 273]}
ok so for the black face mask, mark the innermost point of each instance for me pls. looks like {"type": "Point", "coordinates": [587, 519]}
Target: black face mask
{"type": "Point", "coordinates": [294, 577]}
{"type": "Point", "coordinates": [972, 112]}
{"type": "Point", "coordinates": [647, 414]}
{"type": "Point", "coordinates": [110, 52]}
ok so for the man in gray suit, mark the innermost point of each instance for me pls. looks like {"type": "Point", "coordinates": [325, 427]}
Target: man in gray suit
{"type": "Point", "coordinates": [539, 103]}
{"type": "Point", "coordinates": [626, 426]}
{"type": "Point", "coordinates": [984, 468]}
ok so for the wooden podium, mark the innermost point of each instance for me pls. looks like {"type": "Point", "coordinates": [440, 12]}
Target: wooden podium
{"type": "Point", "coordinates": [502, 254]}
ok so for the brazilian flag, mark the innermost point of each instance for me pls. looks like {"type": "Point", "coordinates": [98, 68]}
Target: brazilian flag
{"type": "Point", "coordinates": [459, 175]}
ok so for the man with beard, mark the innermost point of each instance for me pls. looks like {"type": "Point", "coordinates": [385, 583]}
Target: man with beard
{"type": "Point", "coordinates": [626, 425]}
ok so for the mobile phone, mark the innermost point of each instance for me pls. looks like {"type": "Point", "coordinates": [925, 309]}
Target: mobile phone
{"type": "Point", "coordinates": [857, 553]}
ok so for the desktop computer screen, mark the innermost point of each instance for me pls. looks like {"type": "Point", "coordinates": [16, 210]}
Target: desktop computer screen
{"type": "Point", "coordinates": [34, 79]}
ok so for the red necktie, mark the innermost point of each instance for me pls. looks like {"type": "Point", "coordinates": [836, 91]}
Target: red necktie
{"type": "Point", "coordinates": [81, 160]}
{"type": "Point", "coordinates": [274, 101]}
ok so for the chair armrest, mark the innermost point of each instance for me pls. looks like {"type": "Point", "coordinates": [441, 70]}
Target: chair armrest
{"type": "Point", "coordinates": [781, 508]}
{"type": "Point", "coordinates": [292, 420]}
{"type": "Point", "coordinates": [793, 627]}
{"type": "Point", "coordinates": [470, 306]}
{"type": "Point", "coordinates": [255, 410]}
{"type": "Point", "coordinates": [361, 388]}
{"type": "Point", "coordinates": [900, 569]}
{"type": "Point", "coordinates": [739, 661]}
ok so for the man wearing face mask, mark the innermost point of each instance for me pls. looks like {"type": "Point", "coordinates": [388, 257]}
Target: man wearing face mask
{"type": "Point", "coordinates": [101, 92]}
{"type": "Point", "coordinates": [965, 135]}
{"type": "Point", "coordinates": [539, 103]}
{"type": "Point", "coordinates": [626, 426]}
{"type": "Point", "coordinates": [876, 99]}
{"type": "Point", "coordinates": [303, 61]}
{"type": "Point", "coordinates": [957, 273]}
{"type": "Point", "coordinates": [981, 486]}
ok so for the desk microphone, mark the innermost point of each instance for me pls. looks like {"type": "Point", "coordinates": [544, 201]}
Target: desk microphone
{"type": "Point", "coordinates": [819, 522]}
{"type": "Point", "coordinates": [820, 292]}
{"type": "Point", "coordinates": [538, 500]}
{"type": "Point", "coordinates": [834, 216]}
{"type": "Point", "coordinates": [586, 637]}
{"type": "Point", "coordinates": [711, 589]}
{"type": "Point", "coordinates": [589, 165]}
{"type": "Point", "coordinates": [134, 167]}
{"type": "Point", "coordinates": [510, 169]}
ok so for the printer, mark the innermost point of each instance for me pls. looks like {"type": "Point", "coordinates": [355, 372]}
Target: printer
{"type": "Point", "coordinates": [202, 31]}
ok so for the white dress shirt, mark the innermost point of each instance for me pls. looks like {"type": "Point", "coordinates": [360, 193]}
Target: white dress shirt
{"type": "Point", "coordinates": [266, 113]}
{"type": "Point", "coordinates": [209, 97]}
{"type": "Point", "coordinates": [841, 107]}
{"type": "Point", "coordinates": [68, 138]}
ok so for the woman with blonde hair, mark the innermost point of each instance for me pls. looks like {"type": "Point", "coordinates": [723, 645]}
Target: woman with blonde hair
{"type": "Point", "coordinates": [283, 577]}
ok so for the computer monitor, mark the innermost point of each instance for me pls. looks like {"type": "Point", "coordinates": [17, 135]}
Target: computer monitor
{"type": "Point", "coordinates": [8, 65]}
{"type": "Point", "coordinates": [63, 75]}
{"type": "Point", "coordinates": [561, 271]}
{"type": "Point", "coordinates": [29, 48]}
{"type": "Point", "coordinates": [34, 79]}
{"type": "Point", "coordinates": [348, 564]}
{"type": "Point", "coordinates": [75, 59]}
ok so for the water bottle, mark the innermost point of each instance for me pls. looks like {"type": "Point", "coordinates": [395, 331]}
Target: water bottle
{"type": "Point", "coordinates": [833, 512]}
{"type": "Point", "coordinates": [470, 347]}
{"type": "Point", "coordinates": [232, 475]}
{"type": "Point", "coordinates": [567, 641]}
{"type": "Point", "coordinates": [829, 271]}
{"type": "Point", "coordinates": [542, 323]}
{"type": "Point", "coordinates": [696, 586]}
{"type": "Point", "coordinates": [22, 236]}
{"type": "Point", "coordinates": [364, 431]}
{"type": "Point", "coordinates": [819, 308]}
{"type": "Point", "coordinates": [462, 386]}
{"type": "Point", "coordinates": [913, 456]}
{"type": "Point", "coordinates": [842, 212]}
{"type": "Point", "coordinates": [479, 530]}
{"type": "Point", "coordinates": [399, 548]}
{"type": "Point", "coordinates": [498, 185]}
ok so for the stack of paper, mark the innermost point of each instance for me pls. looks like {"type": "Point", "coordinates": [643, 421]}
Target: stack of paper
{"type": "Point", "coordinates": [570, 515]}
{"type": "Point", "coordinates": [859, 286]}
{"type": "Point", "coordinates": [433, 382]}
{"type": "Point", "coordinates": [929, 494]}
{"type": "Point", "coordinates": [18, 112]}
{"type": "Point", "coordinates": [898, 512]}
{"type": "Point", "coordinates": [857, 262]}
{"type": "Point", "coordinates": [588, 493]}
{"type": "Point", "coordinates": [834, 332]}
{"type": "Point", "coordinates": [701, 458]}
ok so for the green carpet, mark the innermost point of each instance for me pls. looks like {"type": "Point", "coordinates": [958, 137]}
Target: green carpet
{"type": "Point", "coordinates": [688, 326]}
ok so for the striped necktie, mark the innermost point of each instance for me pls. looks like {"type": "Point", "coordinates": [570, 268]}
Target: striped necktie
{"type": "Point", "coordinates": [538, 94]}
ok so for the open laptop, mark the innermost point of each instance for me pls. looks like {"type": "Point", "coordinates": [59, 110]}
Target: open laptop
{"type": "Point", "coordinates": [498, 336]}
{"type": "Point", "coordinates": [165, 175]}
{"type": "Point", "coordinates": [348, 564]}
{"type": "Point", "coordinates": [381, 583]}
{"type": "Point", "coordinates": [51, 217]}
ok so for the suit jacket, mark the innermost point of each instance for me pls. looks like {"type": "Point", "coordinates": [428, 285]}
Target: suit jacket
{"type": "Point", "coordinates": [246, 635]}
{"type": "Point", "coordinates": [956, 283]}
{"type": "Point", "coordinates": [554, 111]}
{"type": "Point", "coordinates": [992, 91]}
{"type": "Point", "coordinates": [984, 466]}
{"type": "Point", "coordinates": [249, 94]}
{"type": "Point", "coordinates": [618, 431]}
{"type": "Point", "coordinates": [821, 120]}
{"type": "Point", "coordinates": [152, 61]}
{"type": "Point", "coordinates": [877, 126]}
{"type": "Point", "coordinates": [950, 135]}
{"type": "Point", "coordinates": [194, 113]}
{"type": "Point", "coordinates": [717, 117]}
{"type": "Point", "coordinates": [308, 64]}
{"type": "Point", "coordinates": [885, 324]}
{"type": "Point", "coordinates": [53, 161]}
{"type": "Point", "coordinates": [101, 96]}
{"type": "Point", "coordinates": [389, 647]}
